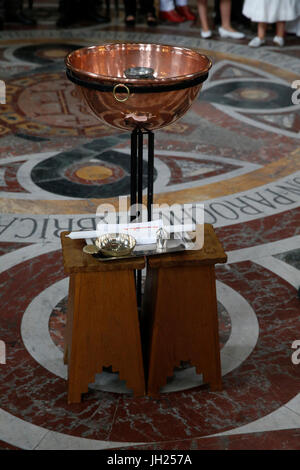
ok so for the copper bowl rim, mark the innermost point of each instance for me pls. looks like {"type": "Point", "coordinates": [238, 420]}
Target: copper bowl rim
{"type": "Point", "coordinates": [136, 81]}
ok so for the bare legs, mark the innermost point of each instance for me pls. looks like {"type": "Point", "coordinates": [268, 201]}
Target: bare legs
{"type": "Point", "coordinates": [225, 10]}
{"type": "Point", "coordinates": [202, 9]}
{"type": "Point", "coordinates": [280, 29]}
{"type": "Point", "coordinates": [261, 35]}
{"type": "Point", "coordinates": [261, 30]}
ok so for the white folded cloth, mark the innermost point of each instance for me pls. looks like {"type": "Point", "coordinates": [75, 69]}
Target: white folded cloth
{"type": "Point", "coordinates": [144, 233]}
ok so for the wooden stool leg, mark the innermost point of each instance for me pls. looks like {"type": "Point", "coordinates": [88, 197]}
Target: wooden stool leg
{"type": "Point", "coordinates": [104, 331]}
{"type": "Point", "coordinates": [185, 324]}
{"type": "Point", "coordinates": [69, 319]}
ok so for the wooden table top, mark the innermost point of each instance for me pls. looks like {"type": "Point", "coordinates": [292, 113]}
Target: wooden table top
{"type": "Point", "coordinates": [211, 252]}
{"type": "Point", "coordinates": [75, 260]}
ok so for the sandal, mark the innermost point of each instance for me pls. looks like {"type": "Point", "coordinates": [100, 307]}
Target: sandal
{"type": "Point", "coordinates": [130, 21]}
{"type": "Point", "coordinates": [151, 19]}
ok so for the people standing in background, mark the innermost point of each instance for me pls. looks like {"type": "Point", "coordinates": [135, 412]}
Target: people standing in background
{"type": "Point", "coordinates": [236, 13]}
{"type": "Point", "coordinates": [293, 27]}
{"type": "Point", "coordinates": [147, 8]}
{"type": "Point", "coordinates": [264, 12]}
{"type": "Point", "coordinates": [13, 13]}
{"type": "Point", "coordinates": [225, 30]}
{"type": "Point", "coordinates": [175, 11]}
{"type": "Point", "coordinates": [73, 11]}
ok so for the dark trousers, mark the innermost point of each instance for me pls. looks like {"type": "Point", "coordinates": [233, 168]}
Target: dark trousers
{"type": "Point", "coordinates": [12, 6]}
{"type": "Point", "coordinates": [67, 6]}
{"type": "Point", "coordinates": [147, 6]}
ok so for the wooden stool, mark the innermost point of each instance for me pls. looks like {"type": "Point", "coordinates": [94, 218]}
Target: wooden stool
{"type": "Point", "coordinates": [180, 300]}
{"type": "Point", "coordinates": [102, 320]}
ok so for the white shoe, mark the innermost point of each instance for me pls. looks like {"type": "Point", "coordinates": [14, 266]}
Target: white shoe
{"type": "Point", "coordinates": [256, 42]}
{"type": "Point", "coordinates": [230, 34]}
{"type": "Point", "coordinates": [279, 41]}
{"type": "Point", "coordinates": [206, 34]}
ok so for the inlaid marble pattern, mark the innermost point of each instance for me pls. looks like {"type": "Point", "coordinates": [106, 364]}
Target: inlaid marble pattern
{"type": "Point", "coordinates": [237, 152]}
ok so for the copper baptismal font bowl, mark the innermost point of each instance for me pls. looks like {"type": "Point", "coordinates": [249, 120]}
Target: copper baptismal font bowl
{"type": "Point", "coordinates": [129, 85]}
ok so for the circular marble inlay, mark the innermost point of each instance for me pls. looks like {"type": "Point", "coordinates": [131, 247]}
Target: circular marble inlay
{"type": "Point", "coordinates": [54, 53]}
{"type": "Point", "coordinates": [249, 94]}
{"type": "Point", "coordinates": [44, 53]}
{"type": "Point", "coordinates": [47, 104]}
{"type": "Point", "coordinates": [258, 378]}
{"type": "Point", "coordinates": [236, 319]}
{"type": "Point", "coordinates": [57, 323]}
{"type": "Point", "coordinates": [86, 175]}
{"type": "Point", "coordinates": [93, 172]}
{"type": "Point", "coordinates": [256, 94]}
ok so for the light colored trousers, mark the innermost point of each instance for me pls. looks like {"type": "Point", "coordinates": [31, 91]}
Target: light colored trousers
{"type": "Point", "coordinates": [168, 5]}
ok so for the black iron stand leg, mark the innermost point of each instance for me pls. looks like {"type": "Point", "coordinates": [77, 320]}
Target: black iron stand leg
{"type": "Point", "coordinates": [133, 180]}
{"type": "Point", "coordinates": [133, 171]}
{"type": "Point", "coordinates": [136, 186]}
{"type": "Point", "coordinates": [140, 202]}
{"type": "Point", "coordinates": [140, 167]}
{"type": "Point", "coordinates": [150, 173]}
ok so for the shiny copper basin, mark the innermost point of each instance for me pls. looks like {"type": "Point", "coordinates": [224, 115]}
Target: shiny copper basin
{"type": "Point", "coordinates": [149, 103]}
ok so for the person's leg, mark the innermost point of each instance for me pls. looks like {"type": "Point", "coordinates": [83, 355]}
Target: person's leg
{"type": "Point", "coordinates": [14, 13]}
{"type": "Point", "coordinates": [130, 8]}
{"type": "Point", "coordinates": [202, 9]}
{"type": "Point", "coordinates": [130, 12]}
{"type": "Point", "coordinates": [225, 10]}
{"type": "Point", "coordinates": [226, 30]}
{"type": "Point", "coordinates": [259, 40]}
{"type": "Point", "coordinates": [11, 6]}
{"type": "Point", "coordinates": [147, 6]}
{"type": "Point", "coordinates": [167, 5]}
{"type": "Point", "coordinates": [280, 31]}
{"type": "Point", "coordinates": [148, 9]}
{"type": "Point", "coordinates": [184, 10]}
{"type": "Point", "coordinates": [261, 30]}
{"type": "Point", "coordinates": [168, 13]}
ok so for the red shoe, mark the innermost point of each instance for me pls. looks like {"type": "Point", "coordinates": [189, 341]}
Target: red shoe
{"type": "Point", "coordinates": [186, 13]}
{"type": "Point", "coordinates": [173, 16]}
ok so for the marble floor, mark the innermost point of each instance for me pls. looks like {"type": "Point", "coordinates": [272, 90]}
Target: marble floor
{"type": "Point", "coordinates": [237, 151]}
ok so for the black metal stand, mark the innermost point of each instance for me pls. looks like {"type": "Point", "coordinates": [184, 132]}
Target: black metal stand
{"type": "Point", "coordinates": [137, 180]}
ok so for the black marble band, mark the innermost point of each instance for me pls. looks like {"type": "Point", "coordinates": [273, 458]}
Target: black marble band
{"type": "Point", "coordinates": [137, 89]}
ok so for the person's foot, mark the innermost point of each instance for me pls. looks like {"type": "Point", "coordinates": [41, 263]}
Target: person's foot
{"type": "Point", "coordinates": [232, 34]}
{"type": "Point", "coordinates": [151, 20]}
{"type": "Point", "coordinates": [21, 18]}
{"type": "Point", "coordinates": [256, 42]}
{"type": "Point", "coordinates": [186, 13]}
{"type": "Point", "coordinates": [172, 16]}
{"type": "Point", "coordinates": [206, 34]}
{"type": "Point", "coordinates": [279, 41]}
{"type": "Point", "coordinates": [130, 21]}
